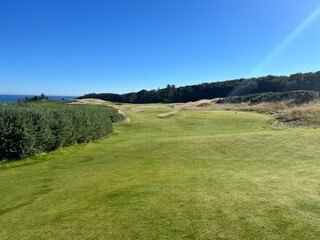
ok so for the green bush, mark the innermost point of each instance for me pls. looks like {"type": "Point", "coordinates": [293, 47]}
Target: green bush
{"type": "Point", "coordinates": [30, 128]}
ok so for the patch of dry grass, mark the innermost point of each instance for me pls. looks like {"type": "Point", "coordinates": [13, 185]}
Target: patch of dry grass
{"type": "Point", "coordinates": [137, 109]}
{"type": "Point", "coordinates": [126, 119]}
{"type": "Point", "coordinates": [197, 104]}
{"type": "Point", "coordinates": [88, 101]}
{"type": "Point", "coordinates": [308, 114]}
{"type": "Point", "coordinates": [145, 107]}
{"type": "Point", "coordinates": [166, 115]}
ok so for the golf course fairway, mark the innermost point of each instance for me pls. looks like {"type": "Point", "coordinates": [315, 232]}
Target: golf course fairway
{"type": "Point", "coordinates": [193, 175]}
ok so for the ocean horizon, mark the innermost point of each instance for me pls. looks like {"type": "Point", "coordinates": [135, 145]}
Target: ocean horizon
{"type": "Point", "coordinates": [7, 98]}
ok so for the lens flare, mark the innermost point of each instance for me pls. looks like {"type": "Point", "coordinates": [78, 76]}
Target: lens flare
{"type": "Point", "coordinates": [293, 35]}
{"type": "Point", "coordinates": [273, 54]}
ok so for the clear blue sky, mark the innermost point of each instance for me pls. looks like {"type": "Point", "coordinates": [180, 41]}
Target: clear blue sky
{"type": "Point", "coordinates": [73, 47]}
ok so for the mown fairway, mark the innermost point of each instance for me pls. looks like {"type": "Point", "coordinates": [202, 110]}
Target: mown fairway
{"type": "Point", "coordinates": [196, 175]}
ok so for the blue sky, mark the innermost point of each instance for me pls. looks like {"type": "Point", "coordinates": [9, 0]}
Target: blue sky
{"type": "Point", "coordinates": [73, 47]}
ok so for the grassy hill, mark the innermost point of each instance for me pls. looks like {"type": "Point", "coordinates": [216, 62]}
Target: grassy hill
{"type": "Point", "coordinates": [193, 175]}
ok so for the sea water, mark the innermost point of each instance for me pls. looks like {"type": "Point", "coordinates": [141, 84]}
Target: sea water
{"type": "Point", "coordinates": [15, 98]}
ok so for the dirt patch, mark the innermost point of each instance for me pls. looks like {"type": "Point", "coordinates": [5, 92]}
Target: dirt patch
{"type": "Point", "coordinates": [126, 119]}
{"type": "Point", "coordinates": [88, 101]}
{"type": "Point", "coordinates": [137, 109]}
{"type": "Point", "coordinates": [166, 115]}
{"type": "Point", "coordinates": [144, 108]}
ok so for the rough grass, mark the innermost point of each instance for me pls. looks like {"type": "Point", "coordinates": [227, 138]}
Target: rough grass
{"type": "Point", "coordinates": [200, 175]}
{"type": "Point", "coordinates": [308, 114]}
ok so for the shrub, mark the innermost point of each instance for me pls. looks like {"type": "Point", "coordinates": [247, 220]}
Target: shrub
{"type": "Point", "coordinates": [30, 128]}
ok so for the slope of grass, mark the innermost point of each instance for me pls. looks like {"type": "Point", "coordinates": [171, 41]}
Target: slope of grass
{"type": "Point", "coordinates": [195, 175]}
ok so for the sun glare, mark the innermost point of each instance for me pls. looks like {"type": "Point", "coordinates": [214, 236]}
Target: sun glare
{"type": "Point", "coordinates": [291, 37]}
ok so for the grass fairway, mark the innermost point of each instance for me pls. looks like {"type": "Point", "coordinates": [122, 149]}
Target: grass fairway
{"type": "Point", "coordinates": [195, 175]}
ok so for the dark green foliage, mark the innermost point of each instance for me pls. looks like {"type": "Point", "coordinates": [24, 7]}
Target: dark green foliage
{"type": "Point", "coordinates": [30, 128]}
{"type": "Point", "coordinates": [36, 98]}
{"type": "Point", "coordinates": [294, 97]}
{"type": "Point", "coordinates": [239, 87]}
{"type": "Point", "coordinates": [16, 134]}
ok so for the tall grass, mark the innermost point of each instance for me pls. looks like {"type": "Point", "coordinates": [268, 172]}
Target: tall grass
{"type": "Point", "coordinates": [308, 114]}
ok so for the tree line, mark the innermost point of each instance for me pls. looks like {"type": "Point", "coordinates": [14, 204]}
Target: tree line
{"type": "Point", "coordinates": [239, 87]}
{"type": "Point", "coordinates": [28, 128]}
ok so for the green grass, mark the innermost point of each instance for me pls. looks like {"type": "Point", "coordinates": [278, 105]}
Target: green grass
{"type": "Point", "coordinates": [195, 175]}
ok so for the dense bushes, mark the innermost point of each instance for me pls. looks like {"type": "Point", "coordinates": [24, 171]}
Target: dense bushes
{"type": "Point", "coordinates": [30, 128]}
{"type": "Point", "coordinates": [294, 97]}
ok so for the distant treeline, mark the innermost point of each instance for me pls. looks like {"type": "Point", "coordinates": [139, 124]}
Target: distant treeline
{"type": "Point", "coordinates": [27, 128]}
{"type": "Point", "coordinates": [42, 97]}
{"type": "Point", "coordinates": [239, 87]}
